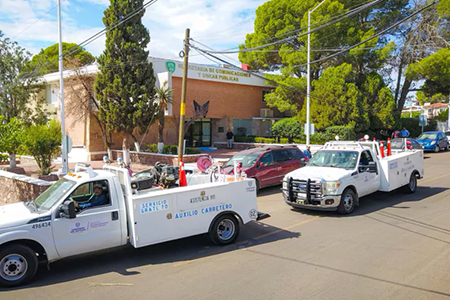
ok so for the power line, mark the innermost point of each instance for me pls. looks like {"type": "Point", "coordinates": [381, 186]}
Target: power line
{"type": "Point", "coordinates": [40, 18]}
{"type": "Point", "coordinates": [329, 23]}
{"type": "Point", "coordinates": [97, 35]}
{"type": "Point", "coordinates": [347, 11]}
{"type": "Point", "coordinates": [370, 38]}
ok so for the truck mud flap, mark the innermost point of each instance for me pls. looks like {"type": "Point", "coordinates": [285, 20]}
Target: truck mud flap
{"type": "Point", "coordinates": [262, 216]}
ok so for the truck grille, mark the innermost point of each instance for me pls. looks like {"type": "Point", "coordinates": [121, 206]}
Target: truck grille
{"type": "Point", "coordinates": [311, 190]}
{"type": "Point", "coordinates": [300, 186]}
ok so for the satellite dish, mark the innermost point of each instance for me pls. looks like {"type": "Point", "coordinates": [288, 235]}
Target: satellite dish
{"type": "Point", "coordinates": [203, 163]}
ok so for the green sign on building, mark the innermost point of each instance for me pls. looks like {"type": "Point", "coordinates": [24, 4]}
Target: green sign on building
{"type": "Point", "coordinates": [170, 65]}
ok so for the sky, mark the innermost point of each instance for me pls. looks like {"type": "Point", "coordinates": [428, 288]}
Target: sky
{"type": "Point", "coordinates": [218, 24]}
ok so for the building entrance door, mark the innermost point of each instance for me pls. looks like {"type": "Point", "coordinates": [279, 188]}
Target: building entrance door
{"type": "Point", "coordinates": [199, 134]}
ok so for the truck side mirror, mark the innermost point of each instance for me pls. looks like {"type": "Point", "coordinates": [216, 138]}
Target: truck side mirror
{"type": "Point", "coordinates": [68, 210]}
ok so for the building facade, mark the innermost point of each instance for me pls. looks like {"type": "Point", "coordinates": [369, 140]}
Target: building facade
{"type": "Point", "coordinates": [234, 99]}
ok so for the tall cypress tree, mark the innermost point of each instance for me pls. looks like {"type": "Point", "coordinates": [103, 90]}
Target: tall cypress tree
{"type": "Point", "coordinates": [125, 86]}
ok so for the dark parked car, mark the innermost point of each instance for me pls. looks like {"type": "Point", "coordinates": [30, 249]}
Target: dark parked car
{"type": "Point", "coordinates": [433, 141]}
{"type": "Point", "coordinates": [268, 165]}
{"type": "Point", "coordinates": [410, 144]}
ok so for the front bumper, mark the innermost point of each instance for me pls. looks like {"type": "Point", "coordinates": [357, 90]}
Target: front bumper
{"type": "Point", "coordinates": [429, 147]}
{"type": "Point", "coordinates": [301, 201]}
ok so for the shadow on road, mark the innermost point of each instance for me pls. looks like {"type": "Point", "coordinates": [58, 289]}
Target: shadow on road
{"type": "Point", "coordinates": [122, 259]}
{"type": "Point", "coordinates": [380, 200]}
{"type": "Point", "coordinates": [269, 191]}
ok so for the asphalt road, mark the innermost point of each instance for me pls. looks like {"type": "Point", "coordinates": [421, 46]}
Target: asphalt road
{"type": "Point", "coordinates": [394, 246]}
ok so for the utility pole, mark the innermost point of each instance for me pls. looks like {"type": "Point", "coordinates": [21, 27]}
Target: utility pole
{"type": "Point", "coordinates": [183, 95]}
{"type": "Point", "coordinates": [308, 76]}
{"type": "Point", "coordinates": [64, 154]}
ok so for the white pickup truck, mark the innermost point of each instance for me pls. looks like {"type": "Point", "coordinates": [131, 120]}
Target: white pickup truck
{"type": "Point", "coordinates": [51, 227]}
{"type": "Point", "coordinates": [342, 172]}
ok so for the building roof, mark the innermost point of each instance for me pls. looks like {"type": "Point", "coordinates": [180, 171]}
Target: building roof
{"type": "Point", "coordinates": [436, 105]}
{"type": "Point", "coordinates": [175, 69]}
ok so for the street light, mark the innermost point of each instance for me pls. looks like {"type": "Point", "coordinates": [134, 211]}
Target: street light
{"type": "Point", "coordinates": [308, 78]}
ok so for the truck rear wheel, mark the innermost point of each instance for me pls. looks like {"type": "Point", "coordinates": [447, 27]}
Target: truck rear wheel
{"type": "Point", "coordinates": [411, 187]}
{"type": "Point", "coordinates": [18, 265]}
{"type": "Point", "coordinates": [224, 230]}
{"type": "Point", "coordinates": [348, 202]}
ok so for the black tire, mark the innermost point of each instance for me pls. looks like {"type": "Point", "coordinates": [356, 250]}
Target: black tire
{"type": "Point", "coordinates": [411, 187]}
{"type": "Point", "coordinates": [348, 202]}
{"type": "Point", "coordinates": [224, 230]}
{"type": "Point", "coordinates": [18, 260]}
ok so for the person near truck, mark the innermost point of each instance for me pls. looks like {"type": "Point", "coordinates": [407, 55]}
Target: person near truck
{"type": "Point", "coordinates": [229, 139]}
{"type": "Point", "coordinates": [307, 152]}
{"type": "Point", "coordinates": [97, 199]}
{"type": "Point", "coordinates": [404, 133]}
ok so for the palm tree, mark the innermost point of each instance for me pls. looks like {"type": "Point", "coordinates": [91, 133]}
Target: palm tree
{"type": "Point", "coordinates": [164, 96]}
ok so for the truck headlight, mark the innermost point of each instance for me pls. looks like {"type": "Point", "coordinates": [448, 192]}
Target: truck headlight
{"type": "Point", "coordinates": [432, 143]}
{"type": "Point", "coordinates": [331, 187]}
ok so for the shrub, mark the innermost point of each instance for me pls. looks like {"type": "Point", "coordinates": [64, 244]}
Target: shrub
{"type": "Point", "coordinates": [152, 148]}
{"type": "Point", "coordinates": [190, 150]}
{"type": "Point", "coordinates": [4, 158]}
{"type": "Point", "coordinates": [346, 133]}
{"type": "Point", "coordinates": [287, 127]}
{"type": "Point", "coordinates": [43, 143]}
{"type": "Point", "coordinates": [170, 149]}
{"type": "Point", "coordinates": [244, 139]}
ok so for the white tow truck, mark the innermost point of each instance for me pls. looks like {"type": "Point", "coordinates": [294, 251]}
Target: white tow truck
{"type": "Point", "coordinates": [342, 172]}
{"type": "Point", "coordinates": [51, 227]}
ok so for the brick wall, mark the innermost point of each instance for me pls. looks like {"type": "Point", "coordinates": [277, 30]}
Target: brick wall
{"type": "Point", "coordinates": [16, 188]}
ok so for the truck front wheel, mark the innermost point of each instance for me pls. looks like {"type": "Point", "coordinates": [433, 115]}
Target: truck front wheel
{"type": "Point", "coordinates": [18, 265]}
{"type": "Point", "coordinates": [348, 202]}
{"type": "Point", "coordinates": [224, 230]}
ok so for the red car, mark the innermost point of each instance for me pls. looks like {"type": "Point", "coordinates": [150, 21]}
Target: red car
{"type": "Point", "coordinates": [268, 165]}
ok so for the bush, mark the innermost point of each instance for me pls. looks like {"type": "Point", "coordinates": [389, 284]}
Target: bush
{"type": "Point", "coordinates": [171, 149]}
{"type": "Point", "coordinates": [4, 158]}
{"type": "Point", "coordinates": [415, 114]}
{"type": "Point", "coordinates": [244, 139]}
{"type": "Point", "coordinates": [190, 150]}
{"type": "Point", "coordinates": [43, 143]}
{"type": "Point", "coordinates": [287, 127]}
{"type": "Point", "coordinates": [345, 133]}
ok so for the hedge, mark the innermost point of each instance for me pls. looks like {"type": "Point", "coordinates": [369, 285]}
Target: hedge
{"type": "Point", "coordinates": [4, 158]}
{"type": "Point", "coordinates": [171, 149]}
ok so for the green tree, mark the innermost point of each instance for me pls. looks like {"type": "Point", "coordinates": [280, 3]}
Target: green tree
{"type": "Point", "coordinates": [11, 133]}
{"type": "Point", "coordinates": [125, 86]}
{"type": "Point", "coordinates": [287, 127]}
{"type": "Point", "coordinates": [43, 143]}
{"type": "Point", "coordinates": [442, 116]}
{"type": "Point", "coordinates": [18, 88]}
{"type": "Point", "coordinates": [337, 100]}
{"type": "Point", "coordinates": [279, 19]}
{"type": "Point", "coordinates": [47, 60]}
{"type": "Point", "coordinates": [164, 96]}
{"type": "Point", "coordinates": [435, 70]}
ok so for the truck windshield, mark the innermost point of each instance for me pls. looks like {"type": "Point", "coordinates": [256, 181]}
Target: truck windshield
{"type": "Point", "coordinates": [335, 159]}
{"type": "Point", "coordinates": [247, 159]}
{"type": "Point", "coordinates": [53, 194]}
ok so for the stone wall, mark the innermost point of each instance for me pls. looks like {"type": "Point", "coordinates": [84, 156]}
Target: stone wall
{"type": "Point", "coordinates": [15, 188]}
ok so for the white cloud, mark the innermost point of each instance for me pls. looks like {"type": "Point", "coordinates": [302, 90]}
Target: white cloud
{"type": "Point", "coordinates": [219, 24]}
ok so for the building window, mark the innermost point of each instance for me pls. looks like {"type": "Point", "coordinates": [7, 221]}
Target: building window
{"type": "Point", "coordinates": [264, 93]}
{"type": "Point", "coordinates": [221, 129]}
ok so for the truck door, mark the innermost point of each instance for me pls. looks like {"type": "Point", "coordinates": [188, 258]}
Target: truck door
{"type": "Point", "coordinates": [96, 226]}
{"type": "Point", "coordinates": [369, 178]}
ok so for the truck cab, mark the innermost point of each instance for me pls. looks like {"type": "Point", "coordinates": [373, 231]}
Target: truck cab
{"type": "Point", "coordinates": [342, 172]}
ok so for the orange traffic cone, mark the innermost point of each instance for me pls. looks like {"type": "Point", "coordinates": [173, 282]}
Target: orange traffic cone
{"type": "Point", "coordinates": [182, 175]}
{"type": "Point", "coordinates": [389, 153]}
{"type": "Point", "coordinates": [382, 149]}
